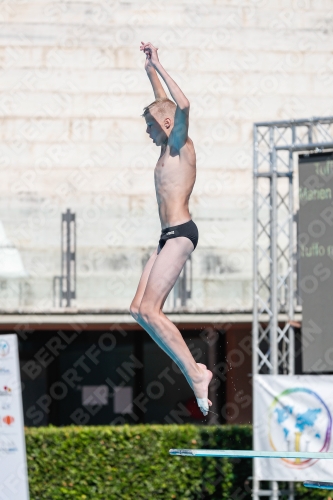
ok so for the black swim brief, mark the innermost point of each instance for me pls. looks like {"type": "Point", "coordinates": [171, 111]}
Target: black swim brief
{"type": "Point", "coordinates": [189, 230]}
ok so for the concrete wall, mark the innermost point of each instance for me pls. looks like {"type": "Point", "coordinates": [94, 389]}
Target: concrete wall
{"type": "Point", "coordinates": [72, 91]}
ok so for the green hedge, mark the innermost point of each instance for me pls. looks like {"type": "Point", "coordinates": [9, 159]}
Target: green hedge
{"type": "Point", "coordinates": [132, 463]}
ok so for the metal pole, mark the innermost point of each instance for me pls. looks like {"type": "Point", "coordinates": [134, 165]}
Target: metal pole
{"type": "Point", "coordinates": [255, 483]}
{"type": "Point", "coordinates": [183, 292]}
{"type": "Point", "coordinates": [291, 258]}
{"type": "Point", "coordinates": [54, 289]}
{"type": "Point", "coordinates": [255, 325]}
{"type": "Point", "coordinates": [68, 258]}
{"type": "Point", "coordinates": [74, 256]}
{"type": "Point", "coordinates": [274, 268]}
{"type": "Point", "coordinates": [190, 279]}
{"type": "Point", "coordinates": [291, 495]}
{"type": "Point", "coordinates": [62, 262]}
{"type": "Point", "coordinates": [67, 276]}
{"type": "Point", "coordinates": [275, 490]}
{"type": "Point", "coordinates": [301, 122]}
{"type": "Point", "coordinates": [310, 134]}
{"type": "Point", "coordinates": [291, 332]}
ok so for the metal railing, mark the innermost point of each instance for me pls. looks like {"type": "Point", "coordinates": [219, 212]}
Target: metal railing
{"type": "Point", "coordinates": [66, 282]}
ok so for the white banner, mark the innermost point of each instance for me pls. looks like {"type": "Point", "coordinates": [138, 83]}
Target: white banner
{"type": "Point", "coordinates": [13, 462]}
{"type": "Point", "coordinates": [293, 413]}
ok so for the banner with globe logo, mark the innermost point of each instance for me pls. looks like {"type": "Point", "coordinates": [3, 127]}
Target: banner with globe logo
{"type": "Point", "coordinates": [293, 413]}
{"type": "Point", "coordinates": [13, 462]}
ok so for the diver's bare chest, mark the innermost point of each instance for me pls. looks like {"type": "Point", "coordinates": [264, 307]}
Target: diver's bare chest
{"type": "Point", "coordinates": [166, 165]}
{"type": "Point", "coordinates": [167, 159]}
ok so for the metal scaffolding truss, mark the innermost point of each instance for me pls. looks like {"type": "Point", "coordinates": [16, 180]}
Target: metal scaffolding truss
{"type": "Point", "coordinates": [275, 293]}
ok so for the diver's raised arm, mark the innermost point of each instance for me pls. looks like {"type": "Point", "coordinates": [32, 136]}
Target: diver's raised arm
{"type": "Point", "coordinates": [176, 93]}
{"type": "Point", "coordinates": [158, 89]}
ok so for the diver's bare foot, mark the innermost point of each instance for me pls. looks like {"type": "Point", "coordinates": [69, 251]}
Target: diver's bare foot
{"type": "Point", "coordinates": [200, 388]}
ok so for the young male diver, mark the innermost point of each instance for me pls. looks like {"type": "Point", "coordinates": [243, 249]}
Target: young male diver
{"type": "Point", "coordinates": [175, 172]}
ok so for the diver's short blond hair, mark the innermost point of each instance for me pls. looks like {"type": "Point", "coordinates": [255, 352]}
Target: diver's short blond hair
{"type": "Point", "coordinates": [162, 105]}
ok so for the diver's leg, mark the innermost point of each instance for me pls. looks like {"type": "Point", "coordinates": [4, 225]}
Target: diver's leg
{"type": "Point", "coordinates": [162, 277]}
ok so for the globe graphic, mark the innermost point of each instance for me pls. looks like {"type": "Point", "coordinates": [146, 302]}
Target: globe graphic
{"type": "Point", "coordinates": [299, 420]}
{"type": "Point", "coordinates": [4, 348]}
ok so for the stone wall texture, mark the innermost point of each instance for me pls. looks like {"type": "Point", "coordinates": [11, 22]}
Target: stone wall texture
{"type": "Point", "coordinates": [72, 90]}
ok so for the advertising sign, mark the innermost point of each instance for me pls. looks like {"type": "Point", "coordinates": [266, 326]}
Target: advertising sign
{"type": "Point", "coordinates": [13, 463]}
{"type": "Point", "coordinates": [293, 413]}
{"type": "Point", "coordinates": [315, 260]}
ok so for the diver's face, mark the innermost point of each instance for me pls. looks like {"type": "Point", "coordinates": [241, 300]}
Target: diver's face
{"type": "Point", "coordinates": [155, 130]}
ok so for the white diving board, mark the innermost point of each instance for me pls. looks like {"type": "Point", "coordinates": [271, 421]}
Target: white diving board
{"type": "Point", "coordinates": [304, 455]}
